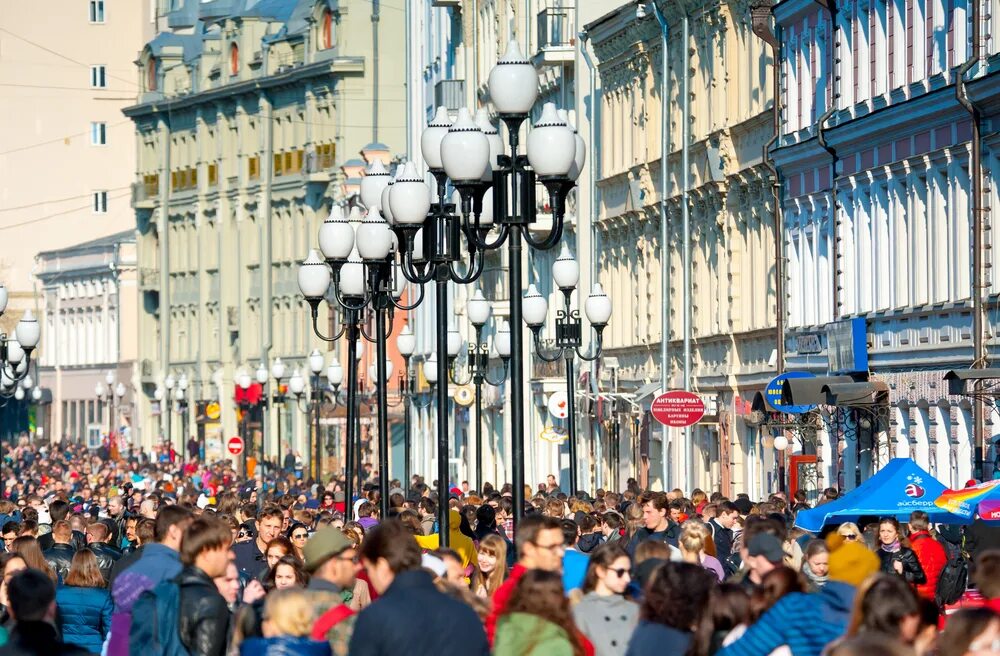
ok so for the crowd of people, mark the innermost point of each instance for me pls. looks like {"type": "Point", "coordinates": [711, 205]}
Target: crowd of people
{"type": "Point", "coordinates": [150, 555]}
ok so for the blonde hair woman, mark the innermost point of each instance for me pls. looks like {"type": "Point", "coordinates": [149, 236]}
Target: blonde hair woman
{"type": "Point", "coordinates": [492, 570]}
{"type": "Point", "coordinates": [288, 620]}
{"type": "Point", "coordinates": [694, 535]}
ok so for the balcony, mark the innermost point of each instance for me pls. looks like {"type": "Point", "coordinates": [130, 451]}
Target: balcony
{"type": "Point", "coordinates": [450, 94]}
{"type": "Point", "coordinates": [556, 34]}
{"type": "Point", "coordinates": [320, 162]}
{"type": "Point", "coordinates": [144, 193]}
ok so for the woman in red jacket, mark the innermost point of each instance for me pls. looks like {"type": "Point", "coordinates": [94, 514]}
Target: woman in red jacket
{"type": "Point", "coordinates": [929, 551]}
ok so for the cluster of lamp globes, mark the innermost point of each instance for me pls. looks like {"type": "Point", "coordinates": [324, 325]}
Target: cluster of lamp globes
{"type": "Point", "coordinates": [14, 377]}
{"type": "Point", "coordinates": [173, 387]}
{"type": "Point", "coordinates": [779, 442]}
{"type": "Point", "coordinates": [107, 386]}
{"type": "Point", "coordinates": [466, 150]}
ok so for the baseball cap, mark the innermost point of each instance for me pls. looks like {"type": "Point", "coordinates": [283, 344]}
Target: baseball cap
{"type": "Point", "coordinates": [323, 545]}
{"type": "Point", "coordinates": [768, 546]}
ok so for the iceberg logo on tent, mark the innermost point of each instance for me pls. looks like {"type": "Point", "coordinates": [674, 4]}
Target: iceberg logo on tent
{"type": "Point", "coordinates": [914, 491]}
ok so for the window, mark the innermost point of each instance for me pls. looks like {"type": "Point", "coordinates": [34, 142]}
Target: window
{"type": "Point", "coordinates": [96, 11]}
{"type": "Point", "coordinates": [100, 202]}
{"type": "Point", "coordinates": [151, 74]}
{"type": "Point", "coordinates": [234, 59]}
{"type": "Point", "coordinates": [98, 77]}
{"type": "Point", "coordinates": [327, 30]}
{"type": "Point", "coordinates": [98, 133]}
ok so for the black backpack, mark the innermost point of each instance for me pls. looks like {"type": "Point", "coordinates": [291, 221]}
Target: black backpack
{"type": "Point", "coordinates": [953, 582]}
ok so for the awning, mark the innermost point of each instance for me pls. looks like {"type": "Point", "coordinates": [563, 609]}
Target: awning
{"type": "Point", "coordinates": [760, 404]}
{"type": "Point", "coordinates": [863, 393]}
{"type": "Point", "coordinates": [958, 378]}
{"type": "Point", "coordinates": [809, 391]}
{"type": "Point", "coordinates": [644, 392]}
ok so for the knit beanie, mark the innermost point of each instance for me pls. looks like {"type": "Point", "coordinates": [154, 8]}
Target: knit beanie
{"type": "Point", "coordinates": [850, 562]}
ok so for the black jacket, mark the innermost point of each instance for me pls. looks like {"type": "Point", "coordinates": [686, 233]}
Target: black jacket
{"type": "Point", "coordinates": [912, 571]}
{"type": "Point", "coordinates": [413, 618]}
{"type": "Point", "coordinates": [723, 538]}
{"type": "Point", "coordinates": [38, 639]}
{"type": "Point", "coordinates": [123, 563]}
{"type": "Point", "coordinates": [60, 558]}
{"type": "Point", "coordinates": [106, 557]}
{"type": "Point", "coordinates": [671, 535]}
{"type": "Point", "coordinates": [46, 541]}
{"type": "Point", "coordinates": [250, 560]}
{"type": "Point", "coordinates": [204, 616]}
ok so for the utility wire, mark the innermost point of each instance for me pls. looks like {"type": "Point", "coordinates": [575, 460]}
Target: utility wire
{"type": "Point", "coordinates": [58, 139]}
{"type": "Point", "coordinates": [64, 212]}
{"type": "Point", "coordinates": [60, 55]}
{"type": "Point", "coordinates": [55, 200]}
{"type": "Point", "coordinates": [50, 86]}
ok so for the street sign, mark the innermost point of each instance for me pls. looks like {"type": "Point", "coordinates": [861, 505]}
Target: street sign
{"type": "Point", "coordinates": [235, 445]}
{"type": "Point", "coordinates": [559, 405]}
{"type": "Point", "coordinates": [678, 409]}
{"type": "Point", "coordinates": [773, 393]}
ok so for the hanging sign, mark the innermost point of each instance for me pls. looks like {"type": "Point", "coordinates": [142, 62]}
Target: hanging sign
{"type": "Point", "coordinates": [678, 409]}
{"type": "Point", "coordinates": [559, 405]}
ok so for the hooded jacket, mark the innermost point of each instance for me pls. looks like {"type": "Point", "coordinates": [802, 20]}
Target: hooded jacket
{"type": "Point", "coordinates": [523, 634]}
{"type": "Point", "coordinates": [806, 622]}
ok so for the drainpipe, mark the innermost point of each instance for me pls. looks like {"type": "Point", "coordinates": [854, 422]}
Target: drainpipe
{"type": "Point", "coordinates": [761, 21]}
{"type": "Point", "coordinates": [266, 292]}
{"type": "Point", "coordinates": [375, 19]}
{"type": "Point", "coordinates": [595, 103]}
{"type": "Point", "coordinates": [407, 84]}
{"type": "Point", "coordinates": [686, 464]}
{"type": "Point", "coordinates": [976, 175]}
{"type": "Point", "coordinates": [831, 7]}
{"type": "Point", "coordinates": [664, 231]}
{"type": "Point", "coordinates": [164, 232]}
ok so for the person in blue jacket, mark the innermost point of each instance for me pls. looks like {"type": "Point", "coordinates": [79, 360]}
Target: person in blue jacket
{"type": "Point", "coordinates": [84, 604]}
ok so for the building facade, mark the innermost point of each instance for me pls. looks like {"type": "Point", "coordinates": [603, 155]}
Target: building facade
{"type": "Point", "coordinates": [253, 119]}
{"type": "Point", "coordinates": [880, 200]}
{"type": "Point", "coordinates": [91, 311]}
{"type": "Point", "coordinates": [67, 159]}
{"type": "Point", "coordinates": [723, 345]}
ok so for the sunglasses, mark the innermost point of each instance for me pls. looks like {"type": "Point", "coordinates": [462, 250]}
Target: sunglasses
{"type": "Point", "coordinates": [621, 572]}
{"type": "Point", "coordinates": [300, 536]}
{"type": "Point", "coordinates": [850, 536]}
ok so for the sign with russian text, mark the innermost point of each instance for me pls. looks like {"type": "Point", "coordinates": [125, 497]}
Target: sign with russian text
{"type": "Point", "coordinates": [678, 409]}
{"type": "Point", "coordinates": [773, 393]}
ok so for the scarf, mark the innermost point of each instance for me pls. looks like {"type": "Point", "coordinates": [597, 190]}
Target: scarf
{"type": "Point", "coordinates": [892, 548]}
{"type": "Point", "coordinates": [818, 581]}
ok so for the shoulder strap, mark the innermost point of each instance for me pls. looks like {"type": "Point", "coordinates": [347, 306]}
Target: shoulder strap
{"type": "Point", "coordinates": [330, 619]}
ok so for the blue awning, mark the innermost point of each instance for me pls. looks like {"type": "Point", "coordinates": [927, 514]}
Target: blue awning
{"type": "Point", "coordinates": [896, 490]}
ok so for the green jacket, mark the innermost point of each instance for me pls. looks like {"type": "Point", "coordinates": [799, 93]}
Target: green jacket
{"type": "Point", "coordinates": [522, 634]}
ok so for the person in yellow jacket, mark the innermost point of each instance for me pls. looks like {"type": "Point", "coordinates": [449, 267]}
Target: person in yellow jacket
{"type": "Point", "coordinates": [461, 543]}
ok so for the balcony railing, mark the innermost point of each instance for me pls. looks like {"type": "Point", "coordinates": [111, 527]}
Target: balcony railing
{"type": "Point", "coordinates": [556, 33]}
{"type": "Point", "coordinates": [450, 94]}
{"type": "Point", "coordinates": [555, 27]}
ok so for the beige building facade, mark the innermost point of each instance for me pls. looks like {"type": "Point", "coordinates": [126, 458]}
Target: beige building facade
{"type": "Point", "coordinates": [730, 326]}
{"type": "Point", "coordinates": [251, 122]}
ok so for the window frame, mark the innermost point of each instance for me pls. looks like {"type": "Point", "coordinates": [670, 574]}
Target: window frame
{"type": "Point", "coordinates": [100, 202]}
{"type": "Point", "coordinates": [98, 128]}
{"type": "Point", "coordinates": [99, 76]}
{"type": "Point", "coordinates": [97, 12]}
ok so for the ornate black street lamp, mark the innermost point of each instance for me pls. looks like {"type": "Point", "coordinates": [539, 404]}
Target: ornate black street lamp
{"type": "Point", "coordinates": [569, 328]}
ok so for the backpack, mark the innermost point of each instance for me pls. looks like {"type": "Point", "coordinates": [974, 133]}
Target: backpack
{"type": "Point", "coordinates": [953, 582]}
{"type": "Point", "coordinates": [156, 622]}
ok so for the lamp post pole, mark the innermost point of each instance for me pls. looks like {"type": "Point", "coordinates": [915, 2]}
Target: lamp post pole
{"type": "Point", "coordinates": [406, 344]}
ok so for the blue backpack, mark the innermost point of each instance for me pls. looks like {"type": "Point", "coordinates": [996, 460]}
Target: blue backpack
{"type": "Point", "coordinates": [156, 623]}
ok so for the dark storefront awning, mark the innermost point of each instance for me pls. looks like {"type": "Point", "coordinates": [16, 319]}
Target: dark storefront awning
{"type": "Point", "coordinates": [760, 404]}
{"type": "Point", "coordinates": [809, 391]}
{"type": "Point", "coordinates": [958, 380]}
{"type": "Point", "coordinates": [863, 393]}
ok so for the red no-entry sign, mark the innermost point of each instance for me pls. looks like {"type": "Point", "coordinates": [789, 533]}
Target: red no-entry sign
{"type": "Point", "coordinates": [678, 409]}
{"type": "Point", "coordinates": [235, 445]}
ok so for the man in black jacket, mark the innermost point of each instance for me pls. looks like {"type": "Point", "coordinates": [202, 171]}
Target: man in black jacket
{"type": "Point", "coordinates": [657, 524]}
{"type": "Point", "coordinates": [58, 511]}
{"type": "Point", "coordinates": [203, 612]}
{"type": "Point", "coordinates": [722, 530]}
{"type": "Point", "coordinates": [33, 607]}
{"type": "Point", "coordinates": [97, 541]}
{"type": "Point", "coordinates": [411, 616]}
{"type": "Point", "coordinates": [60, 555]}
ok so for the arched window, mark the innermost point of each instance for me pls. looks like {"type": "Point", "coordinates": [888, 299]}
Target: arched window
{"type": "Point", "coordinates": [234, 59]}
{"type": "Point", "coordinates": [327, 29]}
{"type": "Point", "coordinates": [151, 74]}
